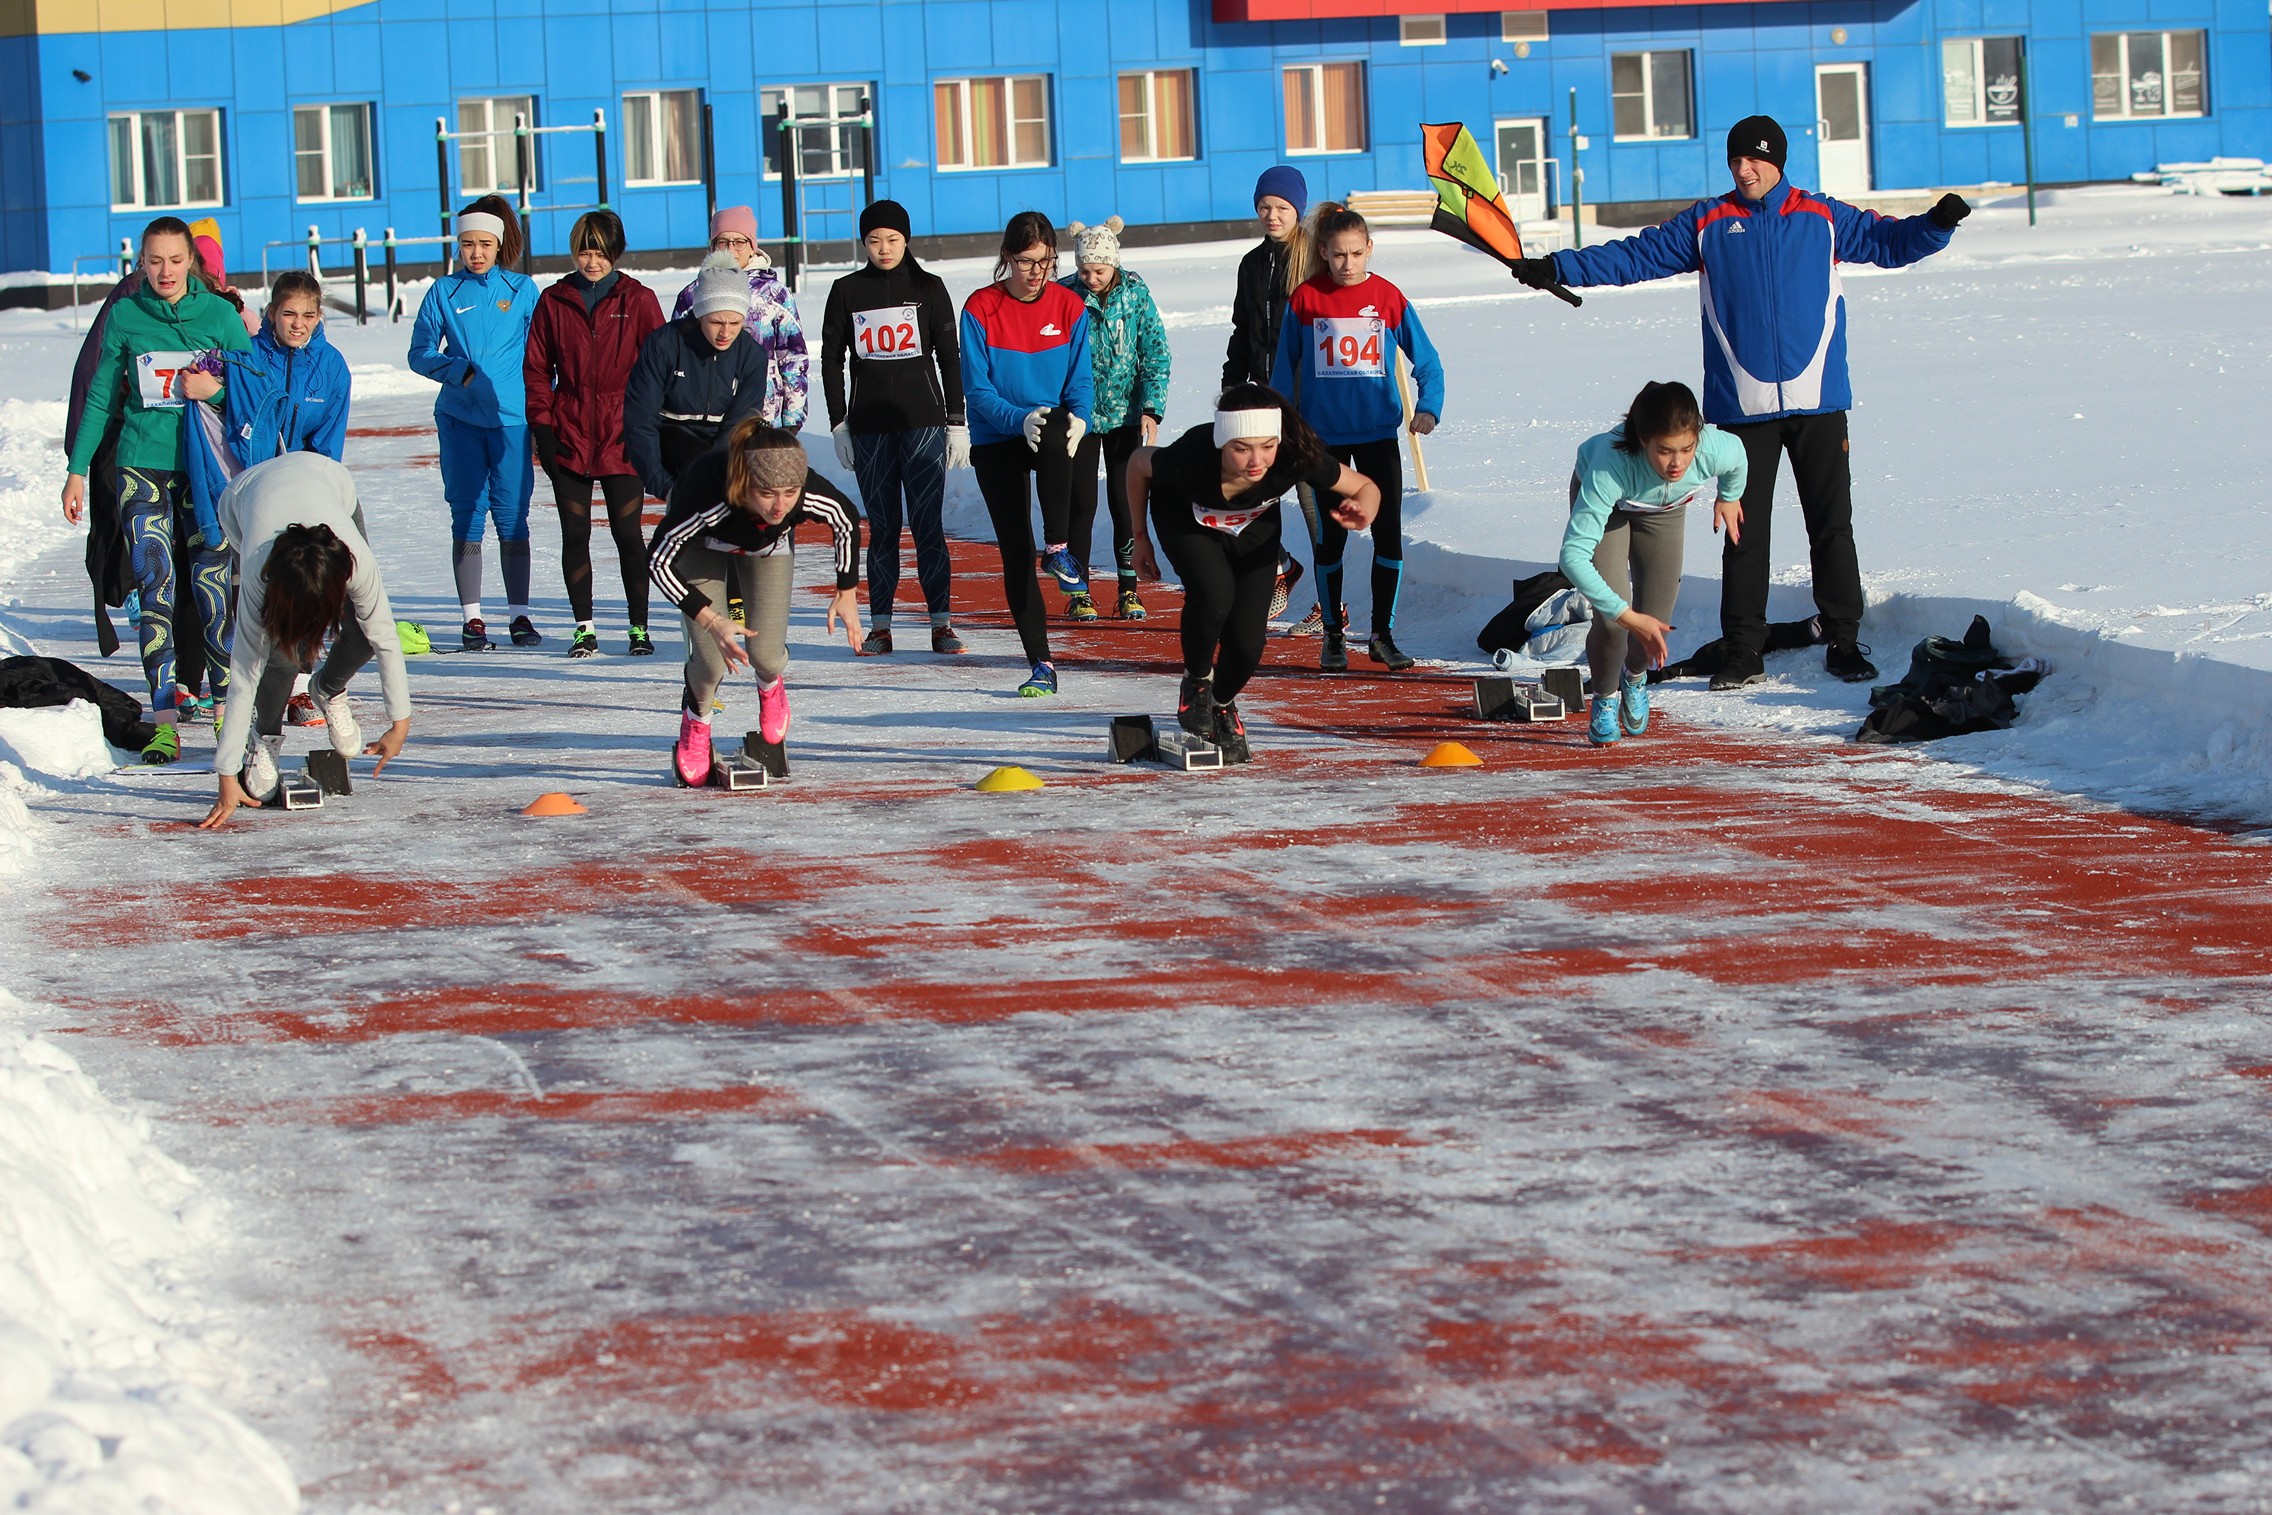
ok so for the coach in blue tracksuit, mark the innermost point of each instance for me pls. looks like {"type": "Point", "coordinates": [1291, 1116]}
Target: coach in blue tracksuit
{"type": "Point", "coordinates": [1774, 364]}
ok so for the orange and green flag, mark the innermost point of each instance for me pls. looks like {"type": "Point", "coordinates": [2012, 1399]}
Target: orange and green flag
{"type": "Point", "coordinates": [1468, 203]}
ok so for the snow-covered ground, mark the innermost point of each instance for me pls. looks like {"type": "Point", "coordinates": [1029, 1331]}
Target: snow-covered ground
{"type": "Point", "coordinates": [2054, 426]}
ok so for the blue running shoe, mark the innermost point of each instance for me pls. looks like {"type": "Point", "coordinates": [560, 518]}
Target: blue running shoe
{"type": "Point", "coordinates": [1066, 570]}
{"type": "Point", "coordinates": [1633, 703]}
{"type": "Point", "coordinates": [1601, 730]}
{"type": "Point", "coordinates": [1043, 680]}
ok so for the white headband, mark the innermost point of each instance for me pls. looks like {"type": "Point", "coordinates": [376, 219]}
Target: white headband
{"type": "Point", "coordinates": [481, 220]}
{"type": "Point", "coordinates": [1235, 425]}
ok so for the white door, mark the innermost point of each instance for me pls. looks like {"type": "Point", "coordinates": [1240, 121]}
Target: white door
{"type": "Point", "coordinates": [1522, 166]}
{"type": "Point", "coordinates": [1842, 127]}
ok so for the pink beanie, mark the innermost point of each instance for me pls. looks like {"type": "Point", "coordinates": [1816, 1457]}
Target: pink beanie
{"type": "Point", "coordinates": [733, 219]}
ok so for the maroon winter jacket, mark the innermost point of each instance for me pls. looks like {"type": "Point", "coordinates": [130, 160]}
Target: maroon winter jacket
{"type": "Point", "coordinates": [576, 368]}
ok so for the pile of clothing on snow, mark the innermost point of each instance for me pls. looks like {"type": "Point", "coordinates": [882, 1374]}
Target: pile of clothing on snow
{"type": "Point", "coordinates": [1953, 688]}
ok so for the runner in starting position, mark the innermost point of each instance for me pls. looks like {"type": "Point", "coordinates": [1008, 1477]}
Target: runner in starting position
{"type": "Point", "coordinates": [731, 519]}
{"type": "Point", "coordinates": [1216, 491]}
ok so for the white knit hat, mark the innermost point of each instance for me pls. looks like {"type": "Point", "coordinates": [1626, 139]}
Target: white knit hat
{"type": "Point", "coordinates": [1097, 244]}
{"type": "Point", "coordinates": [720, 286]}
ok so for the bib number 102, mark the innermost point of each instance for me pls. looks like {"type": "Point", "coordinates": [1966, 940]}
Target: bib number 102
{"type": "Point", "coordinates": [887, 333]}
{"type": "Point", "coordinates": [1349, 349]}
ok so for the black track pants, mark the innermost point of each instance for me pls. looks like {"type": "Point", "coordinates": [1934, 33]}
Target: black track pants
{"type": "Point", "coordinates": [1003, 469]}
{"type": "Point", "coordinates": [1227, 581]}
{"type": "Point", "coordinates": [1383, 463]}
{"type": "Point", "coordinates": [1819, 467]}
{"type": "Point", "coordinates": [625, 496]}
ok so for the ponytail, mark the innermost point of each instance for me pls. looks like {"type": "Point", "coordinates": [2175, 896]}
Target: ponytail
{"type": "Point", "coordinates": [1330, 220]}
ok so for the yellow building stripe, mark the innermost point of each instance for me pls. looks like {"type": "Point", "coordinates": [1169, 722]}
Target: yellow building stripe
{"type": "Point", "coordinates": [55, 18]}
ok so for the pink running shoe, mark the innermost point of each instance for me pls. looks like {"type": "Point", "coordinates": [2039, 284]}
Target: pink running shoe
{"type": "Point", "coordinates": [692, 757]}
{"type": "Point", "coordinates": [773, 710]}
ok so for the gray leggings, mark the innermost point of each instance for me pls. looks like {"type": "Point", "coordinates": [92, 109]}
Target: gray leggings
{"type": "Point", "coordinates": [764, 583]}
{"type": "Point", "coordinates": [350, 650]}
{"type": "Point", "coordinates": [1651, 543]}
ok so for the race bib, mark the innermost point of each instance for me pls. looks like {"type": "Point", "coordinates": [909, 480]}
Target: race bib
{"type": "Point", "coordinates": [1231, 521]}
{"type": "Point", "coordinates": [888, 333]}
{"type": "Point", "coordinates": [1693, 497]}
{"type": "Point", "coordinates": [1348, 347]}
{"type": "Point", "coordinates": [159, 375]}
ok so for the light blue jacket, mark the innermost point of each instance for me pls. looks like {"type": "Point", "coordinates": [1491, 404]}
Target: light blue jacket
{"type": "Point", "coordinates": [281, 400]}
{"type": "Point", "coordinates": [1608, 480]}
{"type": "Point", "coordinates": [481, 322]}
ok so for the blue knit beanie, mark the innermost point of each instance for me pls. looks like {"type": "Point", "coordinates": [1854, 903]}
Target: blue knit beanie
{"type": "Point", "coordinates": [1287, 184]}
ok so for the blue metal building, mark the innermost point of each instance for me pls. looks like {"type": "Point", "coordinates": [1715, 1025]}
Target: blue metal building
{"type": "Point", "coordinates": [276, 115]}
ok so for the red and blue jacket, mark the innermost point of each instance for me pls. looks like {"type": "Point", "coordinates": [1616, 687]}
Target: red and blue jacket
{"type": "Point", "coordinates": [1021, 356]}
{"type": "Point", "coordinates": [1336, 359]}
{"type": "Point", "coordinates": [1774, 305]}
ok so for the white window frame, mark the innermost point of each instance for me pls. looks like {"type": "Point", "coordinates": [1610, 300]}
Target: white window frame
{"type": "Point", "coordinates": [324, 110]}
{"type": "Point", "coordinates": [843, 115]}
{"type": "Point", "coordinates": [1977, 47]}
{"type": "Point", "coordinates": [657, 145]}
{"type": "Point", "coordinates": [1649, 57]}
{"type": "Point", "coordinates": [2122, 76]}
{"type": "Point", "coordinates": [1422, 30]}
{"type": "Point", "coordinates": [137, 166]}
{"type": "Point", "coordinates": [962, 85]}
{"type": "Point", "coordinates": [1316, 71]}
{"type": "Point", "coordinates": [497, 112]}
{"type": "Point", "coordinates": [1523, 26]}
{"type": "Point", "coordinates": [1153, 114]}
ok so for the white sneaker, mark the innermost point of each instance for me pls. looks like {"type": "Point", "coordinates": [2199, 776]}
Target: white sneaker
{"type": "Point", "coordinates": [339, 721]}
{"type": "Point", "coordinates": [260, 778]}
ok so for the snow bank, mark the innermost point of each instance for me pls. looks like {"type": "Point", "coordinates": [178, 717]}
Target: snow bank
{"type": "Point", "coordinates": [106, 1372]}
{"type": "Point", "coordinates": [31, 482]}
{"type": "Point", "coordinates": [58, 742]}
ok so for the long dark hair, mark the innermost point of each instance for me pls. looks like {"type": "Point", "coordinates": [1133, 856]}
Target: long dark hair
{"type": "Point", "coordinates": [1298, 446]}
{"type": "Point", "coordinates": [1660, 410]}
{"type": "Point", "coordinates": [1330, 220]}
{"type": "Point", "coordinates": [509, 245]}
{"type": "Point", "coordinates": [304, 588]}
{"type": "Point", "coordinates": [1025, 229]}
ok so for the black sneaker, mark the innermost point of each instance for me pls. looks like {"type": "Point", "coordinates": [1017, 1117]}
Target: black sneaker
{"type": "Point", "coordinates": [642, 645]}
{"type": "Point", "coordinates": [1849, 661]}
{"type": "Point", "coordinates": [877, 643]}
{"type": "Point", "coordinates": [1195, 708]}
{"type": "Point", "coordinates": [1333, 653]}
{"type": "Point", "coordinates": [1742, 667]}
{"type": "Point", "coordinates": [525, 633]}
{"type": "Point", "coordinates": [1230, 733]}
{"type": "Point", "coordinates": [1383, 649]}
{"type": "Point", "coordinates": [583, 643]}
{"type": "Point", "coordinates": [474, 637]}
{"type": "Point", "coordinates": [944, 640]}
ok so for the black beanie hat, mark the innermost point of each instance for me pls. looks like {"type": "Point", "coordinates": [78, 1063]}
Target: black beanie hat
{"type": "Point", "coordinates": [887, 215]}
{"type": "Point", "coordinates": [1758, 137]}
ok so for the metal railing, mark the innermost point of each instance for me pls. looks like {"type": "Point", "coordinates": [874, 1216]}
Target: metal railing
{"type": "Point", "coordinates": [524, 164]}
{"type": "Point", "coordinates": [124, 257]}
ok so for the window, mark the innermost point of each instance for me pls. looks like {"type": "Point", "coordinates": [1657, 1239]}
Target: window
{"type": "Point", "coordinates": [1649, 97]}
{"type": "Point", "coordinates": [828, 149]}
{"type": "Point", "coordinates": [2138, 75]}
{"type": "Point", "coordinates": [662, 136]}
{"type": "Point", "coordinates": [1522, 26]}
{"type": "Point", "coordinates": [331, 152]}
{"type": "Point", "coordinates": [1325, 108]}
{"type": "Point", "coordinates": [1980, 81]}
{"type": "Point", "coordinates": [1420, 31]}
{"type": "Point", "coordinates": [165, 159]}
{"type": "Point", "coordinates": [488, 158]}
{"type": "Point", "coordinates": [992, 123]}
{"type": "Point", "coordinates": [1156, 124]}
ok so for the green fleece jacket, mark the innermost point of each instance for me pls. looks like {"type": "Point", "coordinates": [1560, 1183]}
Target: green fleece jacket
{"type": "Point", "coordinates": [1128, 349]}
{"type": "Point", "coordinates": [143, 325]}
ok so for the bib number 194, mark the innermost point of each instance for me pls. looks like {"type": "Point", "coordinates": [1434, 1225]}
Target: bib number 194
{"type": "Point", "coordinates": [1348, 347]}
{"type": "Point", "coordinates": [888, 333]}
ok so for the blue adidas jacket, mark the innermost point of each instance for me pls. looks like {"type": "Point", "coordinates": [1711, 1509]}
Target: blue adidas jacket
{"type": "Point", "coordinates": [1020, 356]}
{"type": "Point", "coordinates": [284, 400]}
{"type": "Point", "coordinates": [477, 321]}
{"type": "Point", "coordinates": [1774, 307]}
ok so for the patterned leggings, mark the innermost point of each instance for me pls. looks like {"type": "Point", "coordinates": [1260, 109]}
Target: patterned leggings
{"type": "Point", "coordinates": [153, 503]}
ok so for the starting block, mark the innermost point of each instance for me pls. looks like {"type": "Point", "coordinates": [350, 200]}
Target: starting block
{"type": "Point", "coordinates": [1135, 738]}
{"type": "Point", "coordinates": [329, 770]}
{"type": "Point", "coordinates": [737, 773]}
{"type": "Point", "coordinates": [772, 756]}
{"type": "Point", "coordinates": [1567, 685]}
{"type": "Point", "coordinates": [1500, 699]}
{"type": "Point", "coordinates": [299, 791]}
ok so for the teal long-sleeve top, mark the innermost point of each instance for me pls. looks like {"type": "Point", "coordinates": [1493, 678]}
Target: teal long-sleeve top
{"type": "Point", "coordinates": [1609, 480]}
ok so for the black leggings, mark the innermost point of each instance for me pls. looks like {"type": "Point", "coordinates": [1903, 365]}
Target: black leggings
{"type": "Point", "coordinates": [1227, 583]}
{"type": "Point", "coordinates": [1383, 463]}
{"type": "Point", "coordinates": [625, 496]}
{"type": "Point", "coordinates": [1002, 469]}
{"type": "Point", "coordinates": [1117, 447]}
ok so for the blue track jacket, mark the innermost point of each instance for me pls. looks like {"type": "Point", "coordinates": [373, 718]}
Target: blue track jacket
{"type": "Point", "coordinates": [478, 321]}
{"type": "Point", "coordinates": [1336, 359]}
{"type": "Point", "coordinates": [1774, 306]}
{"type": "Point", "coordinates": [1020, 356]}
{"type": "Point", "coordinates": [280, 400]}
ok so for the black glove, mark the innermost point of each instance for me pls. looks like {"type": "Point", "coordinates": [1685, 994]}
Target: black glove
{"type": "Point", "coordinates": [1538, 273]}
{"type": "Point", "coordinates": [1948, 210]}
{"type": "Point", "coordinates": [547, 440]}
